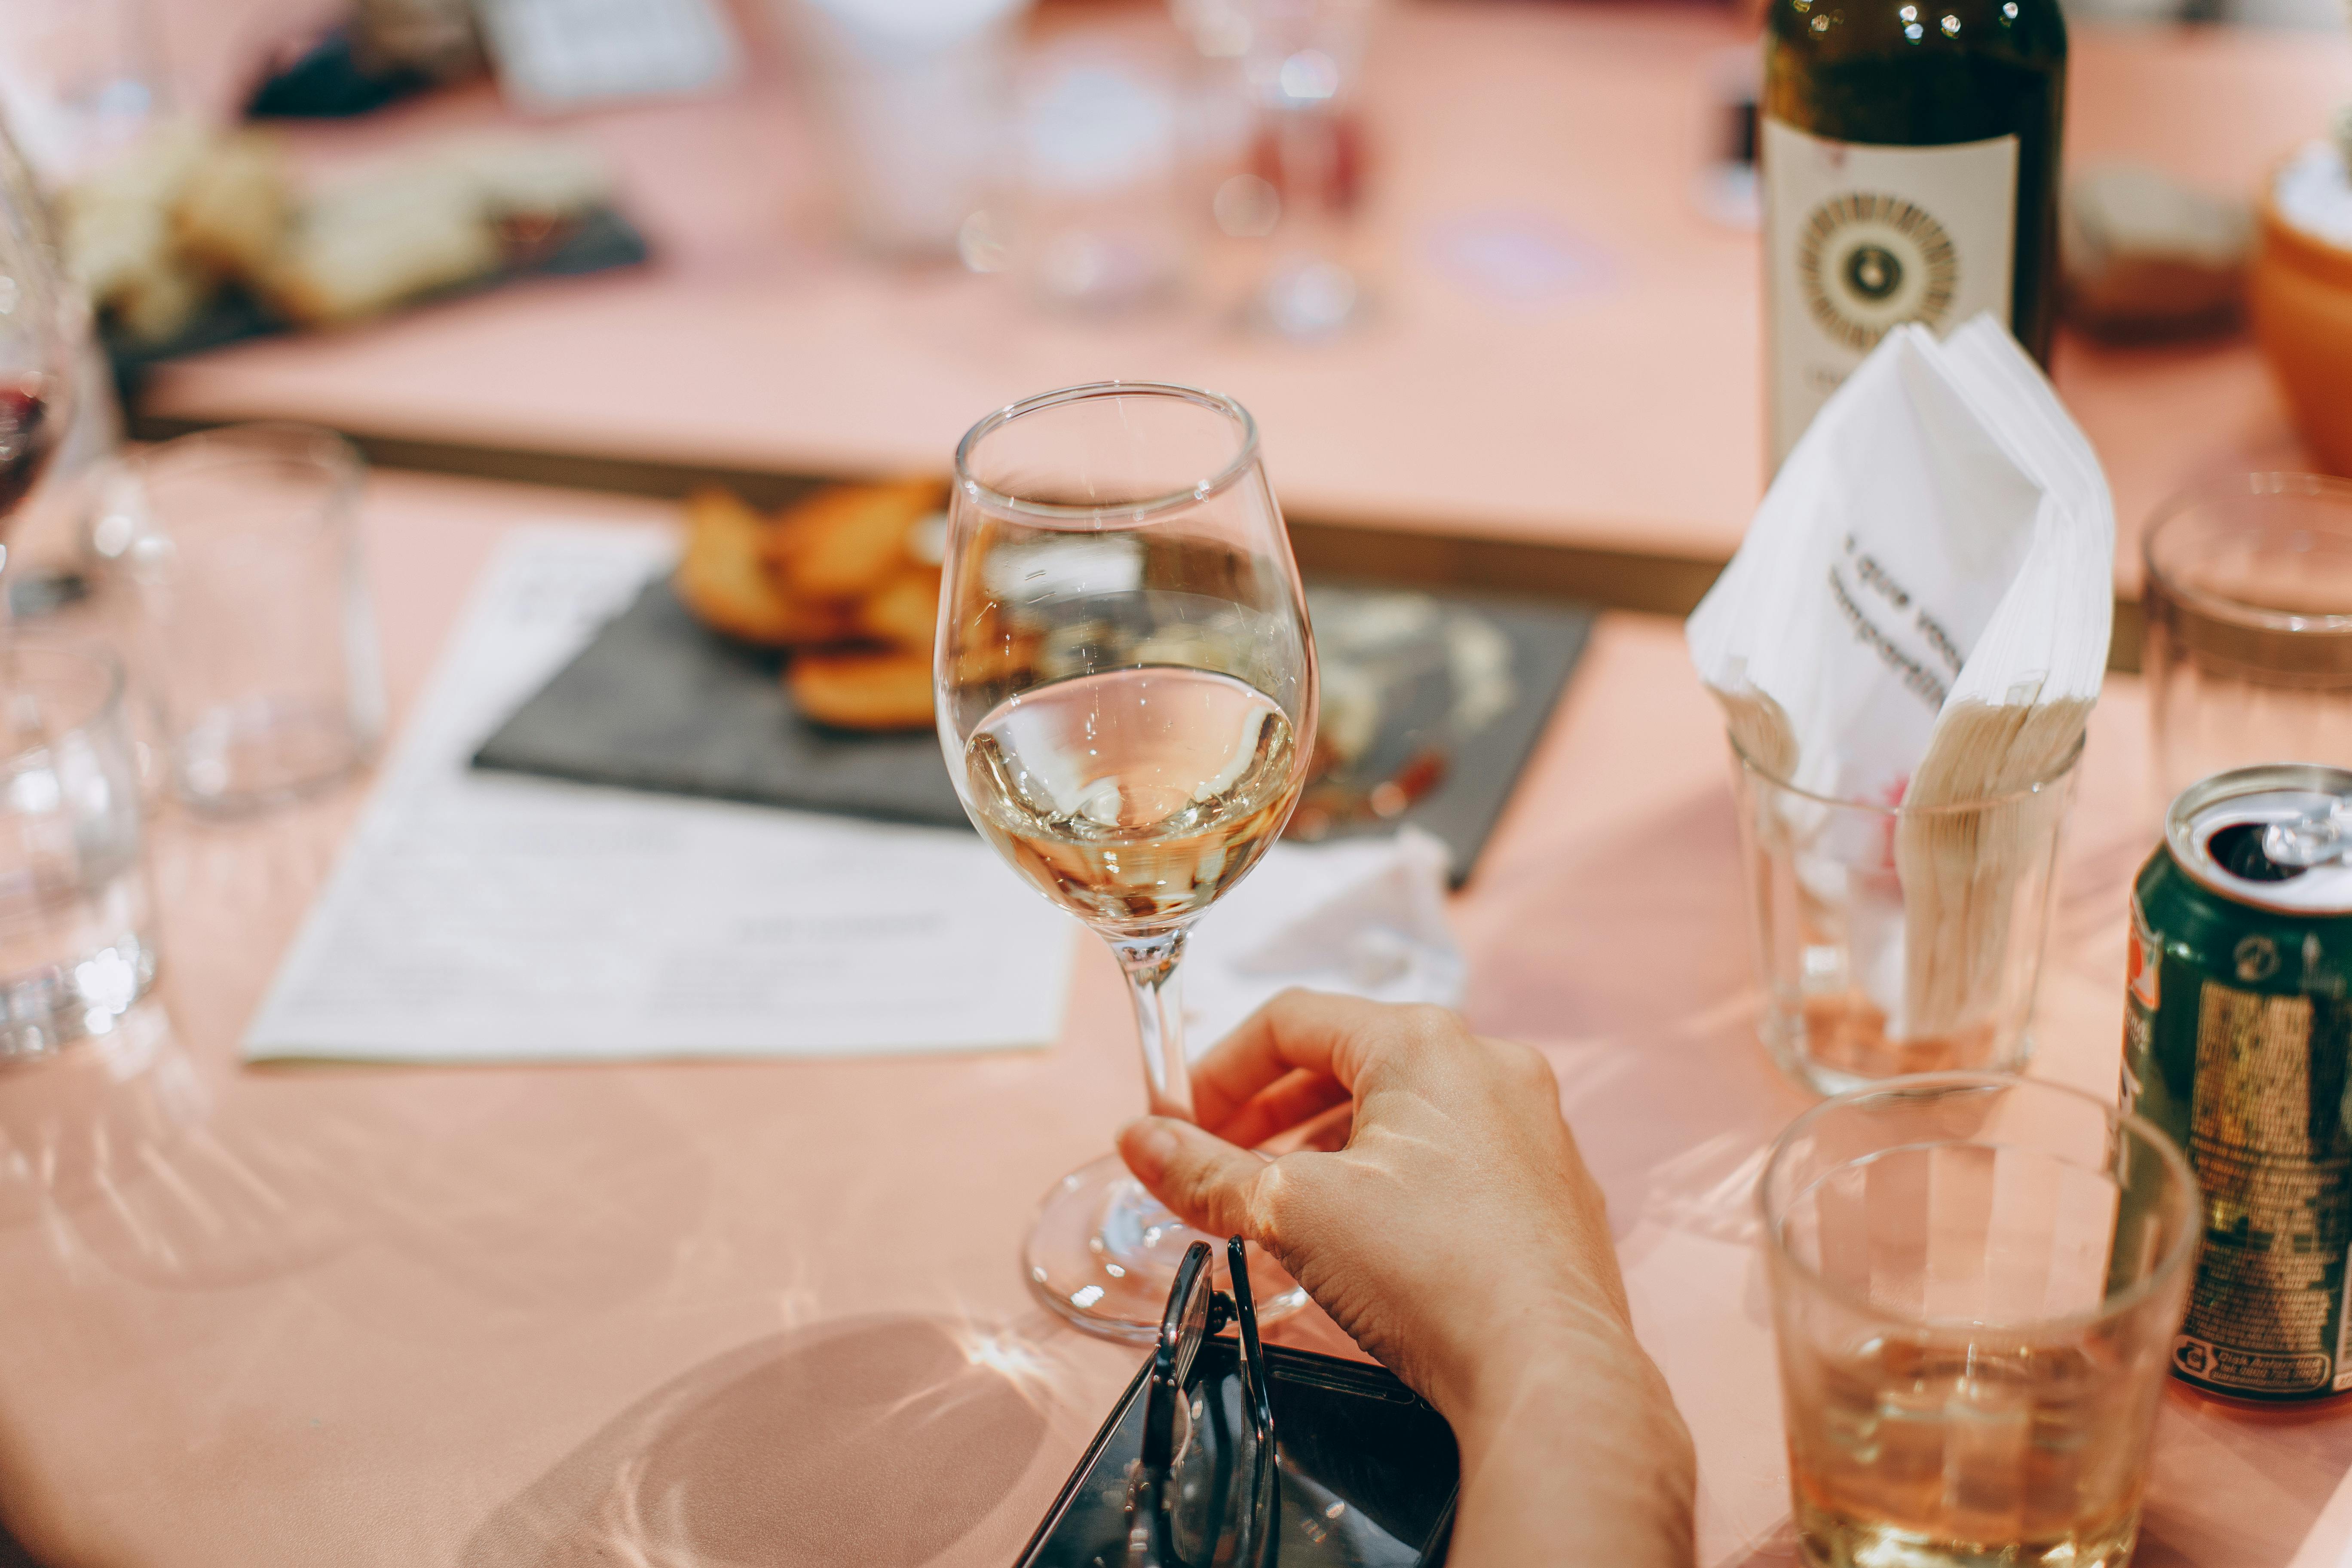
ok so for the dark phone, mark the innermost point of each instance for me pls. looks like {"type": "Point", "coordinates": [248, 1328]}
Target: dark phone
{"type": "Point", "coordinates": [1368, 1469]}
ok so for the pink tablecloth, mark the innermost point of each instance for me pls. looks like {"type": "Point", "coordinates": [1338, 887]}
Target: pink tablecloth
{"type": "Point", "coordinates": [1612, 402]}
{"type": "Point", "coordinates": [770, 1312]}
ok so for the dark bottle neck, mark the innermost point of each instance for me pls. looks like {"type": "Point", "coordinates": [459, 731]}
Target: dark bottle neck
{"type": "Point", "coordinates": [2027, 31]}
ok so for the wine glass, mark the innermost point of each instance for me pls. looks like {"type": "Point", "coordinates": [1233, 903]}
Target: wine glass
{"type": "Point", "coordinates": [1301, 61]}
{"type": "Point", "coordinates": [1127, 699]}
{"type": "Point", "coordinates": [42, 321]}
{"type": "Point", "coordinates": [1302, 66]}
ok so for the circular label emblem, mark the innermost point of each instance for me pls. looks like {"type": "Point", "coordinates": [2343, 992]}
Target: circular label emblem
{"type": "Point", "coordinates": [2257, 958]}
{"type": "Point", "coordinates": [1869, 263]}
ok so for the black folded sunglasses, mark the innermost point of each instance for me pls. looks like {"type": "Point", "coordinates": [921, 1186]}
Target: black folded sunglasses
{"type": "Point", "coordinates": [1188, 1472]}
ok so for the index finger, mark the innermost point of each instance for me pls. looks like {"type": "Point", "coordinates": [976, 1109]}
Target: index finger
{"type": "Point", "coordinates": [1315, 1030]}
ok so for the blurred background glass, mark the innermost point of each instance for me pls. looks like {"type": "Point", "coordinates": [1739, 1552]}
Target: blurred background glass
{"type": "Point", "coordinates": [2248, 646]}
{"type": "Point", "coordinates": [1300, 62]}
{"type": "Point", "coordinates": [257, 636]}
{"type": "Point", "coordinates": [80, 85]}
{"type": "Point", "coordinates": [909, 101]}
{"type": "Point", "coordinates": [1097, 211]}
{"type": "Point", "coordinates": [46, 367]}
{"type": "Point", "coordinates": [77, 947]}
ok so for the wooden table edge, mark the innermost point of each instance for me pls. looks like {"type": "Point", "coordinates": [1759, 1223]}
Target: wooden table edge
{"type": "Point", "coordinates": [1659, 582]}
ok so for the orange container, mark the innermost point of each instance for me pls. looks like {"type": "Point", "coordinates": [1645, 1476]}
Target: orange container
{"type": "Point", "coordinates": [2299, 296]}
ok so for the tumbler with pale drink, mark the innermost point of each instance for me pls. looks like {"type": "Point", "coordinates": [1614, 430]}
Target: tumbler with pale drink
{"type": "Point", "coordinates": [1976, 1280]}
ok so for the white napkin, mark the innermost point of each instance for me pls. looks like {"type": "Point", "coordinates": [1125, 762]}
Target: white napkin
{"type": "Point", "coordinates": [1941, 537]}
{"type": "Point", "coordinates": [1366, 917]}
{"type": "Point", "coordinates": [1919, 614]}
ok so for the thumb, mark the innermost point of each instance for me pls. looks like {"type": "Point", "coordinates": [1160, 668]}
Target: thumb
{"type": "Point", "coordinates": [1207, 1182]}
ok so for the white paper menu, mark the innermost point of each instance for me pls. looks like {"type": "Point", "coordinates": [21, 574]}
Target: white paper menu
{"type": "Point", "coordinates": [479, 917]}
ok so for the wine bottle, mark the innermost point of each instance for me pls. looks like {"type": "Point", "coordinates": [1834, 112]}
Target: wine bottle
{"type": "Point", "coordinates": [1909, 156]}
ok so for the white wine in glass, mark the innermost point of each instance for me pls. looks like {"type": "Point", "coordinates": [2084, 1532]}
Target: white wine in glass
{"type": "Point", "coordinates": [1127, 699]}
{"type": "Point", "coordinates": [1133, 799]}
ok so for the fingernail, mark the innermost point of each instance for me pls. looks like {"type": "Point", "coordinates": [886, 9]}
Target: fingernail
{"type": "Point", "coordinates": [1149, 1146]}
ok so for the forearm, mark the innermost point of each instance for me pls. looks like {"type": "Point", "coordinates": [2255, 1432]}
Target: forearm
{"type": "Point", "coordinates": [1575, 1456]}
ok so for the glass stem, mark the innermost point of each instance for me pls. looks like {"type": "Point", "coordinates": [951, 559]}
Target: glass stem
{"type": "Point", "coordinates": [1149, 964]}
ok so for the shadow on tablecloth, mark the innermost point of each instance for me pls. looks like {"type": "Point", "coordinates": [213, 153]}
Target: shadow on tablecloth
{"type": "Point", "coordinates": [876, 1441]}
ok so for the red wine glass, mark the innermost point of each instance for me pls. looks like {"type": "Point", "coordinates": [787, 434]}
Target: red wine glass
{"type": "Point", "coordinates": [42, 318]}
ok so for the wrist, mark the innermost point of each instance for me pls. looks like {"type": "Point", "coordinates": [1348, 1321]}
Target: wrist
{"type": "Point", "coordinates": [1550, 1367]}
{"type": "Point", "coordinates": [1577, 1455]}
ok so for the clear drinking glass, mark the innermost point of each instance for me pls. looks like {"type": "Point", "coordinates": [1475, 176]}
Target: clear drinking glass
{"type": "Point", "coordinates": [76, 948]}
{"type": "Point", "coordinates": [1866, 977]}
{"type": "Point", "coordinates": [259, 637]}
{"type": "Point", "coordinates": [1127, 699]}
{"type": "Point", "coordinates": [910, 103]}
{"type": "Point", "coordinates": [1303, 62]}
{"type": "Point", "coordinates": [2247, 596]}
{"type": "Point", "coordinates": [1099, 219]}
{"type": "Point", "coordinates": [1975, 1281]}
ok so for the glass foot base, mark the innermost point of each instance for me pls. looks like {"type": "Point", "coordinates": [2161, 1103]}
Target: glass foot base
{"type": "Point", "coordinates": [1103, 1253]}
{"type": "Point", "coordinates": [1833, 1041]}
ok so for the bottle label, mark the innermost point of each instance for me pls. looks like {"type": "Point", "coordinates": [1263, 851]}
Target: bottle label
{"type": "Point", "coordinates": [1860, 238]}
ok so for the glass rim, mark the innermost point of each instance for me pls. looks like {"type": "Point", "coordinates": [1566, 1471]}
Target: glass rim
{"type": "Point", "coordinates": [2058, 773]}
{"type": "Point", "coordinates": [2222, 606]}
{"type": "Point", "coordinates": [338, 459]}
{"type": "Point", "coordinates": [2176, 1257]}
{"type": "Point", "coordinates": [1138, 511]}
{"type": "Point", "coordinates": [89, 656]}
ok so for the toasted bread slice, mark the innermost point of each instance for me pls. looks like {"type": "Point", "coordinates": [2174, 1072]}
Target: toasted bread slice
{"type": "Point", "coordinates": [846, 541]}
{"type": "Point", "coordinates": [905, 611]}
{"type": "Point", "coordinates": [234, 211]}
{"type": "Point", "coordinates": [723, 581]}
{"type": "Point", "coordinates": [373, 241]}
{"type": "Point", "coordinates": [864, 691]}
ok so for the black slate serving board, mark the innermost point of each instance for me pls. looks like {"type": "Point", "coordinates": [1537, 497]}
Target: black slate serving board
{"type": "Point", "coordinates": [597, 241]}
{"type": "Point", "coordinates": [655, 702]}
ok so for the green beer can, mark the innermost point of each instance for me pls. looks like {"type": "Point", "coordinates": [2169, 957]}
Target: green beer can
{"type": "Point", "coordinates": [2237, 1038]}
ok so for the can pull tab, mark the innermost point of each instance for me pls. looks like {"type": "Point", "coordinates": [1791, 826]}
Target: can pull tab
{"type": "Point", "coordinates": [2314, 838]}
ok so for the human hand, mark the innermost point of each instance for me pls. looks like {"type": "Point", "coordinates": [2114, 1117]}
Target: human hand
{"type": "Point", "coordinates": [1458, 1236]}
